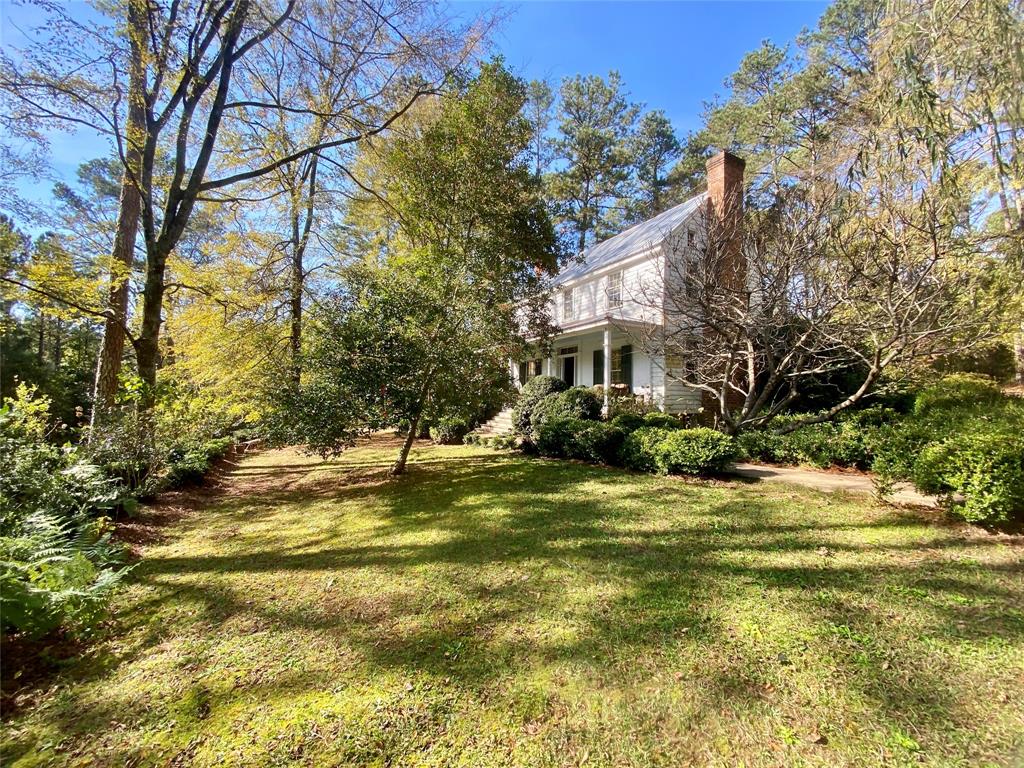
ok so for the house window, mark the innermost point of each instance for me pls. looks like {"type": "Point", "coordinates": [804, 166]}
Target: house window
{"type": "Point", "coordinates": [692, 278]}
{"type": "Point", "coordinates": [615, 290]}
{"type": "Point", "coordinates": [616, 366]}
{"type": "Point", "coordinates": [569, 304]}
{"type": "Point", "coordinates": [622, 366]}
{"type": "Point", "coordinates": [691, 238]}
{"type": "Point", "coordinates": [681, 364]}
{"type": "Point", "coordinates": [528, 369]}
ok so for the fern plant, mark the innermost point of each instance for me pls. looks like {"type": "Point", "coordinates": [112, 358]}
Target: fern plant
{"type": "Point", "coordinates": [58, 573]}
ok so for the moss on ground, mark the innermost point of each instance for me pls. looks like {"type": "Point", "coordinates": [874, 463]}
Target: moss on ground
{"type": "Point", "coordinates": [493, 610]}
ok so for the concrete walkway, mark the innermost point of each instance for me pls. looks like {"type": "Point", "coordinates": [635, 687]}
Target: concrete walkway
{"type": "Point", "coordinates": [820, 480]}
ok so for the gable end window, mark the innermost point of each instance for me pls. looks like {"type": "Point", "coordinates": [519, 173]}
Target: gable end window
{"type": "Point", "coordinates": [615, 290]}
{"type": "Point", "coordinates": [691, 238]}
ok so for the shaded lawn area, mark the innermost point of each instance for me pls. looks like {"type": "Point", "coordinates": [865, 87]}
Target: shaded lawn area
{"type": "Point", "coordinates": [492, 610]}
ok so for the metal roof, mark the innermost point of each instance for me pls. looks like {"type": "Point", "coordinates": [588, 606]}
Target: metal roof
{"type": "Point", "coordinates": [636, 239]}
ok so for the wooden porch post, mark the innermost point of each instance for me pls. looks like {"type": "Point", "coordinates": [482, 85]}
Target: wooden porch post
{"type": "Point", "coordinates": [607, 383]}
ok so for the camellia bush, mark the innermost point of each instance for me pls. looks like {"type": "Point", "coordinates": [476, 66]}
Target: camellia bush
{"type": "Point", "coordinates": [533, 391]}
{"type": "Point", "coordinates": [579, 403]}
{"type": "Point", "coordinates": [569, 438]}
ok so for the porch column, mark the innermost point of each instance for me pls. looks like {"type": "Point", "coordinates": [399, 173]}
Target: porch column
{"type": "Point", "coordinates": [550, 363]}
{"type": "Point", "coordinates": [607, 383]}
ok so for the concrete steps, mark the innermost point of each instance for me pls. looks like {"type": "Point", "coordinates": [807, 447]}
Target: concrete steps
{"type": "Point", "coordinates": [499, 425]}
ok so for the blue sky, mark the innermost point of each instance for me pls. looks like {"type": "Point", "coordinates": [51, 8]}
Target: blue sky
{"type": "Point", "coordinates": [672, 55]}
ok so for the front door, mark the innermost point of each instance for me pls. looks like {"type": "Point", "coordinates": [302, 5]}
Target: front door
{"type": "Point", "coordinates": [569, 370]}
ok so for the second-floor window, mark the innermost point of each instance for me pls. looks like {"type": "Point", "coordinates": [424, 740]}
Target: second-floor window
{"type": "Point", "coordinates": [569, 304]}
{"type": "Point", "coordinates": [615, 290]}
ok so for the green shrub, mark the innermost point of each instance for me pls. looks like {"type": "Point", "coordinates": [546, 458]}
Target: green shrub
{"type": "Point", "coordinates": [448, 431]}
{"type": "Point", "coordinates": [188, 468]}
{"type": "Point", "coordinates": [839, 444]}
{"type": "Point", "coordinates": [957, 390]}
{"type": "Point", "coordinates": [621, 403]}
{"type": "Point", "coordinates": [662, 420]}
{"type": "Point", "coordinates": [422, 428]}
{"type": "Point", "coordinates": [574, 403]}
{"type": "Point", "coordinates": [627, 422]}
{"type": "Point", "coordinates": [696, 451]}
{"type": "Point", "coordinates": [597, 441]}
{"type": "Point", "coordinates": [986, 468]}
{"type": "Point", "coordinates": [535, 390]}
{"type": "Point", "coordinates": [56, 558]}
{"type": "Point", "coordinates": [554, 437]}
{"type": "Point", "coordinates": [38, 478]}
{"type": "Point", "coordinates": [993, 358]}
{"type": "Point", "coordinates": [894, 447]}
{"type": "Point", "coordinates": [639, 450]}
{"type": "Point", "coordinates": [768, 446]}
{"type": "Point", "coordinates": [594, 441]}
{"type": "Point", "coordinates": [503, 442]}
{"type": "Point", "coordinates": [189, 464]}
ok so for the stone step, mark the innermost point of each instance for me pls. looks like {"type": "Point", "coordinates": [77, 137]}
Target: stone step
{"type": "Point", "coordinates": [501, 424]}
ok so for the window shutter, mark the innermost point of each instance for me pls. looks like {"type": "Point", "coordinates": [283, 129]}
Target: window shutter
{"type": "Point", "coordinates": [598, 367]}
{"type": "Point", "coordinates": [522, 373]}
{"type": "Point", "coordinates": [627, 366]}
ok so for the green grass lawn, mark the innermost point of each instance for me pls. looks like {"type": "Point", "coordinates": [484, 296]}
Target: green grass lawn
{"type": "Point", "coordinates": [493, 610]}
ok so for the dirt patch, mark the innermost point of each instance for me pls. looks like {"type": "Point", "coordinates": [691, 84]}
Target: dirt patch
{"type": "Point", "coordinates": [149, 525]}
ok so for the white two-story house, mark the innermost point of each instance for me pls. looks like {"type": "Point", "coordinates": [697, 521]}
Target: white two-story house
{"type": "Point", "coordinates": [609, 305]}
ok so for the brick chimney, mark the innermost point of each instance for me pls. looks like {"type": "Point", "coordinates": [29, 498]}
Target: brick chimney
{"type": "Point", "coordinates": [725, 215]}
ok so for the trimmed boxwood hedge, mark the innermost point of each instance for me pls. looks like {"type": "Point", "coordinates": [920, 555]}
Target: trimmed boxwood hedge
{"type": "Point", "coordinates": [639, 451]}
{"type": "Point", "coordinates": [696, 451]}
{"type": "Point", "coordinates": [594, 441]}
{"type": "Point", "coordinates": [986, 469]}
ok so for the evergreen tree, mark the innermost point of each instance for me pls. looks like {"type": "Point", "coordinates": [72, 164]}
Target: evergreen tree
{"type": "Point", "coordinates": [654, 147]}
{"type": "Point", "coordinates": [595, 122]}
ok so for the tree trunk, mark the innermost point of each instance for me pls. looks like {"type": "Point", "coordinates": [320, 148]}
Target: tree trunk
{"type": "Point", "coordinates": [147, 349]}
{"type": "Point", "coordinates": [296, 298]}
{"type": "Point", "coordinates": [300, 239]}
{"type": "Point", "coordinates": [414, 424]}
{"type": "Point", "coordinates": [1018, 349]}
{"type": "Point", "coordinates": [40, 345]}
{"type": "Point", "coordinates": [58, 346]}
{"type": "Point", "coordinates": [108, 365]}
{"type": "Point", "coordinates": [399, 466]}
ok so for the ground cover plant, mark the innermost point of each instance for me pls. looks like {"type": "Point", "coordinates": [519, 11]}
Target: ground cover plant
{"type": "Point", "coordinates": [58, 562]}
{"type": "Point", "coordinates": [493, 609]}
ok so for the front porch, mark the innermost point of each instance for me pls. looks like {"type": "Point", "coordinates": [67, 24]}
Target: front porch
{"type": "Point", "coordinates": [605, 355]}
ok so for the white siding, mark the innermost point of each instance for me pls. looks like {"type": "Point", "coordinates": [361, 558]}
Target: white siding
{"type": "Point", "coordinates": [641, 294]}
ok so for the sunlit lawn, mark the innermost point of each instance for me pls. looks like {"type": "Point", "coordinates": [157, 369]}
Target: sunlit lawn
{"type": "Point", "coordinates": [492, 610]}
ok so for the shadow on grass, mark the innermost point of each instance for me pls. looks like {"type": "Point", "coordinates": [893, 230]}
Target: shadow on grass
{"type": "Point", "coordinates": [501, 536]}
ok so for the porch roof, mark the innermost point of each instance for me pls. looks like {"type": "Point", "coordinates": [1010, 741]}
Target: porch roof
{"type": "Point", "coordinates": [577, 327]}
